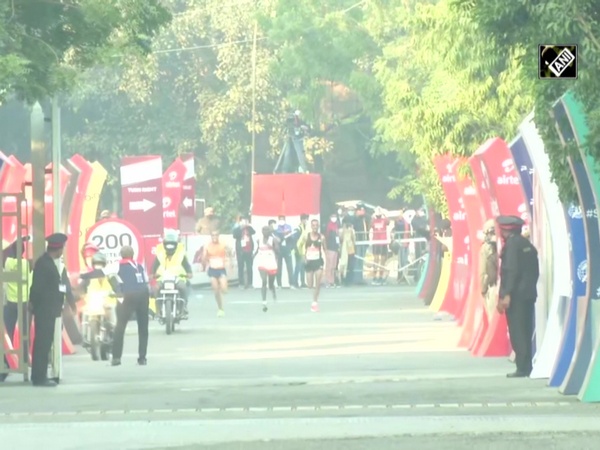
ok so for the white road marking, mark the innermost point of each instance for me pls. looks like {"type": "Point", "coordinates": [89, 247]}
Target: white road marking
{"type": "Point", "coordinates": [267, 409]}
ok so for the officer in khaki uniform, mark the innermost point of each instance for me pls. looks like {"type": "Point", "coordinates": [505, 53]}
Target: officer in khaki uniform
{"type": "Point", "coordinates": [519, 273]}
{"type": "Point", "coordinates": [488, 266]}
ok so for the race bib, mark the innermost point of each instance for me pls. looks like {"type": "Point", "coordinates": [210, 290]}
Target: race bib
{"type": "Point", "coordinates": [337, 240]}
{"type": "Point", "coordinates": [267, 261]}
{"type": "Point", "coordinates": [217, 263]}
{"type": "Point", "coordinates": [312, 254]}
{"type": "Point", "coordinates": [62, 288]}
{"type": "Point", "coordinates": [245, 241]}
{"type": "Point", "coordinates": [139, 278]}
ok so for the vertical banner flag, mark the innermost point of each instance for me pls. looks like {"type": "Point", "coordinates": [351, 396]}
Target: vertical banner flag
{"type": "Point", "coordinates": [141, 193]}
{"type": "Point", "coordinates": [524, 168]}
{"type": "Point", "coordinates": [77, 224]}
{"type": "Point", "coordinates": [172, 184]}
{"type": "Point", "coordinates": [187, 210]}
{"type": "Point", "coordinates": [447, 167]}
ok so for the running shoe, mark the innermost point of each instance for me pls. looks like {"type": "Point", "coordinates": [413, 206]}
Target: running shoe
{"type": "Point", "coordinates": [265, 308]}
{"type": "Point", "coordinates": [314, 307]}
{"type": "Point", "coordinates": [221, 313]}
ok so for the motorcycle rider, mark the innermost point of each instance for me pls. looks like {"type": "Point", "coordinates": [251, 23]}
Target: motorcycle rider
{"type": "Point", "coordinates": [171, 257]}
{"type": "Point", "coordinates": [97, 280]}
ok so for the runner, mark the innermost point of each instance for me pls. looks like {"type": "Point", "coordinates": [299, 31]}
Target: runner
{"type": "Point", "coordinates": [266, 261]}
{"type": "Point", "coordinates": [214, 258]}
{"type": "Point", "coordinates": [315, 249]}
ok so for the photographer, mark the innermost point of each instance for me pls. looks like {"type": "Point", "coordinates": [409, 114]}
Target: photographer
{"type": "Point", "coordinates": [293, 147]}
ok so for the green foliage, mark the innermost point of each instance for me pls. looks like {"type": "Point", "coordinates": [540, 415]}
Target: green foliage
{"type": "Point", "coordinates": [46, 43]}
{"type": "Point", "coordinates": [524, 25]}
{"type": "Point", "coordinates": [443, 90]}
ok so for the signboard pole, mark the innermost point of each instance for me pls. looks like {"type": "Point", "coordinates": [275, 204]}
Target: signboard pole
{"type": "Point", "coordinates": [56, 212]}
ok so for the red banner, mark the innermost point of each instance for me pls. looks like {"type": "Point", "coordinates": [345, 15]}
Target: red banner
{"type": "Point", "coordinates": [502, 178]}
{"type": "Point", "coordinates": [187, 211]}
{"type": "Point", "coordinates": [498, 186]}
{"type": "Point", "coordinates": [446, 167]}
{"type": "Point", "coordinates": [150, 244]}
{"type": "Point", "coordinates": [287, 194]}
{"type": "Point", "coordinates": [64, 177]}
{"type": "Point", "coordinates": [474, 307]}
{"type": "Point", "coordinates": [11, 182]}
{"type": "Point", "coordinates": [172, 185]}
{"type": "Point", "coordinates": [141, 193]}
{"type": "Point", "coordinates": [80, 170]}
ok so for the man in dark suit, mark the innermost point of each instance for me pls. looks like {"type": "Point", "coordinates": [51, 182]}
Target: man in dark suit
{"type": "Point", "coordinates": [49, 287]}
{"type": "Point", "coordinates": [519, 273]}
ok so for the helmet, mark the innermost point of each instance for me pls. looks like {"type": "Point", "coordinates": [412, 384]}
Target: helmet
{"type": "Point", "coordinates": [99, 258]}
{"type": "Point", "coordinates": [171, 236]}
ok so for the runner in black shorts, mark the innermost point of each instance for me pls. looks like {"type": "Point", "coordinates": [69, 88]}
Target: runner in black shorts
{"type": "Point", "coordinates": [315, 249]}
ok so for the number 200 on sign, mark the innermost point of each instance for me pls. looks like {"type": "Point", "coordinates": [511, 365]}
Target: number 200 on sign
{"type": "Point", "coordinates": [112, 241]}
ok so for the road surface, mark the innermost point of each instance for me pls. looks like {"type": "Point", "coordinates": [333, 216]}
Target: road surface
{"type": "Point", "coordinates": [373, 370]}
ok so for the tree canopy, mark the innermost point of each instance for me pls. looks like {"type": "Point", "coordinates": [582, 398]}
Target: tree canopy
{"type": "Point", "coordinates": [399, 82]}
{"type": "Point", "coordinates": [46, 43]}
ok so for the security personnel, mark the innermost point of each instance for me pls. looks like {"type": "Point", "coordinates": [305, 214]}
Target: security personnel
{"type": "Point", "coordinates": [519, 273]}
{"type": "Point", "coordinates": [11, 291]}
{"type": "Point", "coordinates": [488, 265]}
{"type": "Point", "coordinates": [171, 257]}
{"type": "Point", "coordinates": [49, 287]}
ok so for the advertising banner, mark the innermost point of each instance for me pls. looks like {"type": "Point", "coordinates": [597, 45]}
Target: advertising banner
{"type": "Point", "coordinates": [474, 306]}
{"type": "Point", "coordinates": [579, 290]}
{"type": "Point", "coordinates": [446, 167]}
{"type": "Point", "coordinates": [559, 266]}
{"type": "Point", "coordinates": [76, 228]}
{"type": "Point", "coordinates": [590, 272]}
{"type": "Point", "coordinates": [172, 185]}
{"type": "Point", "coordinates": [141, 193]}
{"type": "Point", "coordinates": [187, 210]}
{"type": "Point", "coordinates": [525, 169]}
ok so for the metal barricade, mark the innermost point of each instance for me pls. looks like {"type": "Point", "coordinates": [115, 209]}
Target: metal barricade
{"type": "Point", "coordinates": [401, 258]}
{"type": "Point", "coordinates": [17, 358]}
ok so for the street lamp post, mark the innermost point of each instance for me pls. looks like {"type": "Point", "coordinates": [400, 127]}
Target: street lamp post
{"type": "Point", "coordinates": [56, 157]}
{"type": "Point", "coordinates": [38, 181]}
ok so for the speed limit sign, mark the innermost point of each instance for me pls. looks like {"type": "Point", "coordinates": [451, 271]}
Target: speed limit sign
{"type": "Point", "coordinates": [110, 235]}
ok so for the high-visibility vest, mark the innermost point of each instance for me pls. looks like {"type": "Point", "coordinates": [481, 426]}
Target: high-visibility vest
{"type": "Point", "coordinates": [12, 288]}
{"type": "Point", "coordinates": [98, 288]}
{"type": "Point", "coordinates": [172, 264]}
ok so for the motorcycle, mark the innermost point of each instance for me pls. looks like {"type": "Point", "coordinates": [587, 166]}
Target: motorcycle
{"type": "Point", "coordinates": [170, 306]}
{"type": "Point", "coordinates": [98, 320]}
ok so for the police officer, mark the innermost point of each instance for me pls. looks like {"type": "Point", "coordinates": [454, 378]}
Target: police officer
{"type": "Point", "coordinates": [49, 287]}
{"type": "Point", "coordinates": [488, 265]}
{"type": "Point", "coordinates": [519, 273]}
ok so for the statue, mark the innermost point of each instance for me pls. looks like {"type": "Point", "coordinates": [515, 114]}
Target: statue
{"type": "Point", "coordinates": [292, 159]}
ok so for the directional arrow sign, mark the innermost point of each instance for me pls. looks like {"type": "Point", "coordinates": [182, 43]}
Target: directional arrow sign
{"type": "Point", "coordinates": [143, 205]}
{"type": "Point", "coordinates": [187, 202]}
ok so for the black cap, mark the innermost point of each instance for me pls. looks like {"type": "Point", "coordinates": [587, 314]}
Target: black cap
{"type": "Point", "coordinates": [510, 222]}
{"type": "Point", "coordinates": [56, 241]}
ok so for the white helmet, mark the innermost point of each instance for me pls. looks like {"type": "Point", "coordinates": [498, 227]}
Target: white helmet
{"type": "Point", "coordinates": [171, 236]}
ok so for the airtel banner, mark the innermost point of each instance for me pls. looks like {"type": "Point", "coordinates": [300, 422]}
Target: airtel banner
{"type": "Point", "coordinates": [172, 185]}
{"type": "Point", "coordinates": [446, 167]}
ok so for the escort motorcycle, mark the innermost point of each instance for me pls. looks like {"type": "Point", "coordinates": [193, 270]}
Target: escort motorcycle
{"type": "Point", "coordinates": [170, 306]}
{"type": "Point", "coordinates": [98, 319]}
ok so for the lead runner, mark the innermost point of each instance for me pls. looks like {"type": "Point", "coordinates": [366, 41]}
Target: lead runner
{"type": "Point", "coordinates": [215, 256]}
{"type": "Point", "coordinates": [315, 249]}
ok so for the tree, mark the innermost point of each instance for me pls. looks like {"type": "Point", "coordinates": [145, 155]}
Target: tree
{"type": "Point", "coordinates": [192, 94]}
{"type": "Point", "coordinates": [46, 43]}
{"type": "Point", "coordinates": [524, 26]}
{"type": "Point", "coordinates": [443, 90]}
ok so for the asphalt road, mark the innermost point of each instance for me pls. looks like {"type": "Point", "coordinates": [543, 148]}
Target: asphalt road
{"type": "Point", "coordinates": [373, 369]}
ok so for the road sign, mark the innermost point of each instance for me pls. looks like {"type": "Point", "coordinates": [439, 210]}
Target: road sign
{"type": "Point", "coordinates": [110, 235]}
{"type": "Point", "coordinates": [141, 192]}
{"type": "Point", "coordinates": [187, 210]}
{"type": "Point", "coordinates": [172, 186]}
